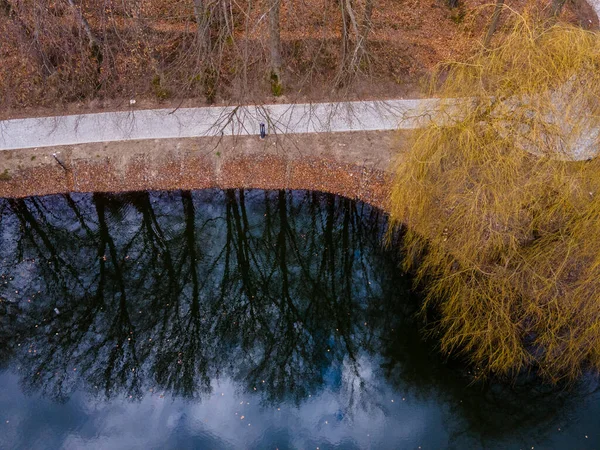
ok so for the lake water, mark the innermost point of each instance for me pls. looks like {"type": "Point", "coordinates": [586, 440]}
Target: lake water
{"type": "Point", "coordinates": [237, 319]}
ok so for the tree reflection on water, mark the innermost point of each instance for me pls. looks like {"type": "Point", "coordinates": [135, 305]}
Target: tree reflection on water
{"type": "Point", "coordinates": [283, 292]}
{"type": "Point", "coordinates": [176, 289]}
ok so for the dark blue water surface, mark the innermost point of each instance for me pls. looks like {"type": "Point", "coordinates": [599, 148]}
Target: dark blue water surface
{"type": "Point", "coordinates": [237, 319]}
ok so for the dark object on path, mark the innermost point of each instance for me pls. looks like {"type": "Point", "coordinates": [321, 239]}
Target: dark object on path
{"type": "Point", "coordinates": [263, 132]}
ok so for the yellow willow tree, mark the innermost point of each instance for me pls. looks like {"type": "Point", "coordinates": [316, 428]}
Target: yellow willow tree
{"type": "Point", "coordinates": [500, 194]}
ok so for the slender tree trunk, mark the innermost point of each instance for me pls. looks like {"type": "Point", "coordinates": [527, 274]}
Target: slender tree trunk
{"type": "Point", "coordinates": [354, 53]}
{"type": "Point", "coordinates": [94, 43]}
{"type": "Point", "coordinates": [93, 40]}
{"type": "Point", "coordinates": [494, 24]}
{"type": "Point", "coordinates": [214, 32]}
{"type": "Point", "coordinates": [275, 37]}
{"type": "Point", "coordinates": [345, 34]}
{"type": "Point", "coordinates": [352, 17]}
{"type": "Point", "coordinates": [204, 16]}
{"type": "Point", "coordinates": [202, 24]}
{"type": "Point", "coordinates": [366, 26]}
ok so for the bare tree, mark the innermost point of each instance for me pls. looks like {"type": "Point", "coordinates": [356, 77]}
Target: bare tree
{"type": "Point", "coordinates": [214, 28]}
{"type": "Point", "coordinates": [494, 23]}
{"type": "Point", "coordinates": [275, 44]}
{"type": "Point", "coordinates": [355, 35]}
{"type": "Point", "coordinates": [94, 42]}
{"type": "Point", "coordinates": [203, 26]}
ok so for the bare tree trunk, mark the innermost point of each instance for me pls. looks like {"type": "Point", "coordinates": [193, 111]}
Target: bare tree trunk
{"type": "Point", "coordinates": [202, 22]}
{"type": "Point", "coordinates": [352, 17]}
{"type": "Point", "coordinates": [94, 43]}
{"type": "Point", "coordinates": [557, 6]}
{"type": "Point", "coordinates": [354, 55]}
{"type": "Point", "coordinates": [367, 24]}
{"type": "Point", "coordinates": [345, 34]}
{"type": "Point", "coordinates": [214, 32]}
{"type": "Point", "coordinates": [275, 36]}
{"type": "Point", "coordinates": [494, 23]}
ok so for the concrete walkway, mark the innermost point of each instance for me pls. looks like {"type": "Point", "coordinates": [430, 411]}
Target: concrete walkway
{"type": "Point", "coordinates": [212, 121]}
{"type": "Point", "coordinates": [595, 4]}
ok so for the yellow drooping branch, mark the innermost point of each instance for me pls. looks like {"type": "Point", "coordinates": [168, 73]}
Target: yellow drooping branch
{"type": "Point", "coordinates": [504, 227]}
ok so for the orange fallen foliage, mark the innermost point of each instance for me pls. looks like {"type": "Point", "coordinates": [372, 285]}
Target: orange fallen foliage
{"type": "Point", "coordinates": [149, 50]}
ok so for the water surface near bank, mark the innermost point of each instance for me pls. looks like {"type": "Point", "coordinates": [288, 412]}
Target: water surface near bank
{"type": "Point", "coordinates": [237, 319]}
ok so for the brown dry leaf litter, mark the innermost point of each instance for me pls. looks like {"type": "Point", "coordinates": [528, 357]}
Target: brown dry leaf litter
{"type": "Point", "coordinates": [150, 55]}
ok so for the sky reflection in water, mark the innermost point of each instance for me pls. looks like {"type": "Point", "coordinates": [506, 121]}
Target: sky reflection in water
{"type": "Point", "coordinates": [236, 319]}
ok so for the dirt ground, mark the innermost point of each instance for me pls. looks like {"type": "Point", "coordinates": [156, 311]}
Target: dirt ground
{"type": "Point", "coordinates": [355, 165]}
{"type": "Point", "coordinates": [408, 39]}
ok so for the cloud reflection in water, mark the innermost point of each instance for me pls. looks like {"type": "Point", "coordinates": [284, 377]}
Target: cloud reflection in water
{"type": "Point", "coordinates": [160, 319]}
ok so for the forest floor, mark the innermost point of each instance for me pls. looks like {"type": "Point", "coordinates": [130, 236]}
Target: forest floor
{"type": "Point", "coordinates": [409, 39]}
